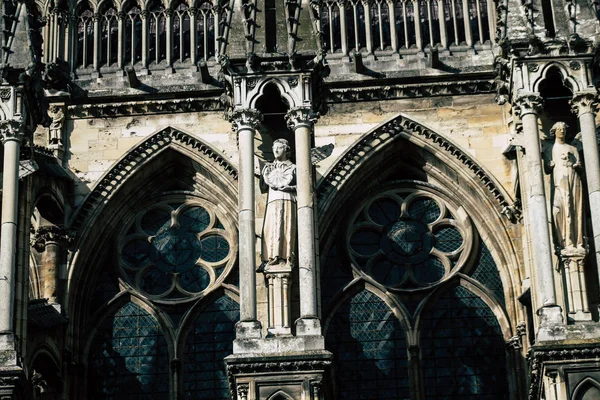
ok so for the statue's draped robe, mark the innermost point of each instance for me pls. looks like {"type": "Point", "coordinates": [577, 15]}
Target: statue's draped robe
{"type": "Point", "coordinates": [279, 229]}
{"type": "Point", "coordinates": [567, 204]}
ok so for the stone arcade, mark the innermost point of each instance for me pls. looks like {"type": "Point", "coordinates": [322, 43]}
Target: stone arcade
{"type": "Point", "coordinates": [308, 200]}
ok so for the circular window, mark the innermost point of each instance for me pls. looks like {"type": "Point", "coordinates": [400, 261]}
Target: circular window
{"type": "Point", "coordinates": [409, 238]}
{"type": "Point", "coordinates": [175, 250]}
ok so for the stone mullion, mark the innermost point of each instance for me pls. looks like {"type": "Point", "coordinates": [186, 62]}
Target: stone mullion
{"type": "Point", "coordinates": [467, 23]}
{"type": "Point", "coordinates": [97, 42]}
{"type": "Point", "coordinates": [343, 27]}
{"type": "Point", "coordinates": [169, 35]}
{"type": "Point", "coordinates": [417, 14]}
{"type": "Point", "coordinates": [193, 12]}
{"type": "Point", "coordinates": [121, 39]}
{"type": "Point", "coordinates": [392, 22]}
{"type": "Point", "coordinates": [144, 15]}
{"type": "Point", "coordinates": [71, 50]}
{"type": "Point", "coordinates": [585, 105]}
{"type": "Point", "coordinates": [442, 21]}
{"type": "Point", "coordinates": [368, 27]}
{"type": "Point", "coordinates": [527, 106]}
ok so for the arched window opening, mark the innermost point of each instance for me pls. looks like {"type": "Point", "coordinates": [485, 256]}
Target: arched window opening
{"type": "Point", "coordinates": [411, 35]}
{"type": "Point", "coordinates": [380, 22]}
{"type": "Point", "coordinates": [157, 28]}
{"type": "Point", "coordinates": [478, 21]}
{"type": "Point", "coordinates": [370, 350]}
{"type": "Point", "coordinates": [206, 31]}
{"type": "Point", "coordinates": [109, 37]}
{"type": "Point", "coordinates": [271, 25]}
{"type": "Point", "coordinates": [181, 33]}
{"type": "Point", "coordinates": [330, 26]}
{"type": "Point", "coordinates": [401, 24]}
{"type": "Point", "coordinates": [462, 349]}
{"type": "Point", "coordinates": [133, 36]}
{"type": "Point", "coordinates": [85, 38]}
{"type": "Point", "coordinates": [129, 357]}
{"type": "Point", "coordinates": [209, 341]}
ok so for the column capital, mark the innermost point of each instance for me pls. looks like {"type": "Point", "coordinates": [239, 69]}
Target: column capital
{"type": "Point", "coordinates": [245, 118]}
{"type": "Point", "coordinates": [527, 103]}
{"type": "Point", "coordinates": [301, 116]}
{"type": "Point", "coordinates": [584, 102]}
{"type": "Point", "coordinates": [12, 130]}
{"type": "Point", "coordinates": [51, 234]}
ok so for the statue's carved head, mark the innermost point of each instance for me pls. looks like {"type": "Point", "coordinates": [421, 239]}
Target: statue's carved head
{"type": "Point", "coordinates": [285, 145]}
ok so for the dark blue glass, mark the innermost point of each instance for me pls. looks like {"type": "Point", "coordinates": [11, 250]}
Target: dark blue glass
{"type": "Point", "coordinates": [370, 350]}
{"type": "Point", "coordinates": [129, 358]}
{"type": "Point", "coordinates": [463, 350]}
{"type": "Point", "coordinates": [208, 343]}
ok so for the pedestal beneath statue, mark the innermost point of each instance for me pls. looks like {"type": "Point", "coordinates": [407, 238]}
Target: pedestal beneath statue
{"type": "Point", "coordinates": [295, 375]}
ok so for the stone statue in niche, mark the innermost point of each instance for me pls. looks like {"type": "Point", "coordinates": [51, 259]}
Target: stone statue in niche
{"type": "Point", "coordinates": [568, 221]}
{"type": "Point", "coordinates": [567, 192]}
{"type": "Point", "coordinates": [279, 229]}
{"type": "Point", "coordinates": [58, 119]}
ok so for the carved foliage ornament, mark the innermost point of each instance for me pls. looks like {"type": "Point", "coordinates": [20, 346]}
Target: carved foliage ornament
{"type": "Point", "coordinates": [530, 103]}
{"type": "Point", "coordinates": [51, 234]}
{"type": "Point", "coordinates": [12, 130]}
{"type": "Point", "coordinates": [583, 103]}
{"type": "Point", "coordinates": [301, 116]}
{"type": "Point", "coordinates": [245, 119]}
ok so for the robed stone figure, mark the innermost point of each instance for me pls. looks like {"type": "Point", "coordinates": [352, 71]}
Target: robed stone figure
{"type": "Point", "coordinates": [279, 229]}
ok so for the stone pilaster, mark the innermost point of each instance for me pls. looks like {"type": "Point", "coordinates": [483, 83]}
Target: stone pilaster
{"type": "Point", "coordinates": [245, 122]}
{"type": "Point", "coordinates": [301, 121]}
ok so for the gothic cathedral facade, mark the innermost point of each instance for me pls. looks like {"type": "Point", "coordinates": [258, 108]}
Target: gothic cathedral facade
{"type": "Point", "coordinates": [300, 199]}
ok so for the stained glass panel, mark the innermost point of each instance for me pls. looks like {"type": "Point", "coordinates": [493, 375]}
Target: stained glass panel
{"type": "Point", "coordinates": [129, 358]}
{"type": "Point", "coordinates": [370, 350]}
{"type": "Point", "coordinates": [208, 343]}
{"type": "Point", "coordinates": [462, 349]}
{"type": "Point", "coordinates": [487, 273]}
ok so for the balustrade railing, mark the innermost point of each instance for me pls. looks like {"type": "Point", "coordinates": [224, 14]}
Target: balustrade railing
{"type": "Point", "coordinates": [405, 26]}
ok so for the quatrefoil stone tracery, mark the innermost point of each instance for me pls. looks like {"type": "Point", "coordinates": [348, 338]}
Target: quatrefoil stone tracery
{"type": "Point", "coordinates": [408, 239]}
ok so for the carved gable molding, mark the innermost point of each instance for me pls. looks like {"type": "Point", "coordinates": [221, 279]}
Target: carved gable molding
{"type": "Point", "coordinates": [402, 127]}
{"type": "Point", "coordinates": [135, 159]}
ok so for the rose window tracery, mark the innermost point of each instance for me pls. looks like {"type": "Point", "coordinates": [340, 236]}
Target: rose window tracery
{"type": "Point", "coordinates": [175, 250]}
{"type": "Point", "coordinates": [409, 238]}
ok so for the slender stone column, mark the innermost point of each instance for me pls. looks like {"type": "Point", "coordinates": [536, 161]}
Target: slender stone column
{"type": "Point", "coordinates": [245, 122]}
{"type": "Point", "coordinates": [11, 134]}
{"type": "Point", "coordinates": [527, 107]}
{"type": "Point", "coordinates": [301, 121]}
{"type": "Point", "coordinates": [585, 105]}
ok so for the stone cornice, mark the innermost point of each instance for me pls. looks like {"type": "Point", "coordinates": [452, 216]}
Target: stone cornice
{"type": "Point", "coordinates": [409, 91]}
{"type": "Point", "coordinates": [131, 108]}
{"type": "Point", "coordinates": [130, 163]}
{"type": "Point", "coordinates": [373, 142]}
{"type": "Point", "coordinates": [538, 356]}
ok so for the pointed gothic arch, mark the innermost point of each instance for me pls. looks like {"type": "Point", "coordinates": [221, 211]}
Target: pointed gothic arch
{"type": "Point", "coordinates": [168, 163]}
{"type": "Point", "coordinates": [280, 395]}
{"type": "Point", "coordinates": [402, 148]}
{"type": "Point", "coordinates": [587, 389]}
